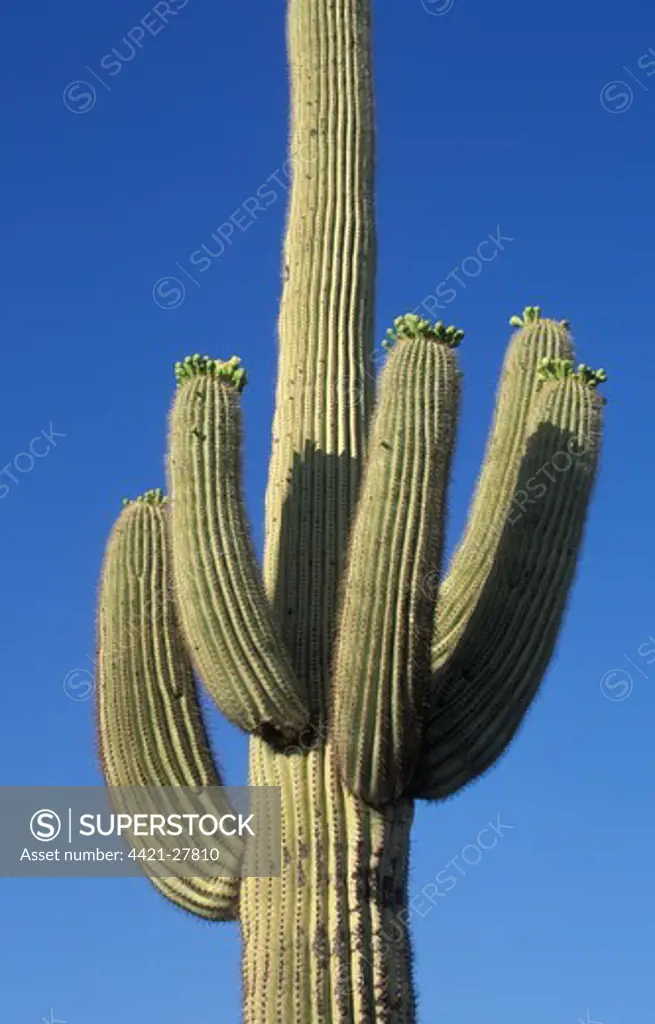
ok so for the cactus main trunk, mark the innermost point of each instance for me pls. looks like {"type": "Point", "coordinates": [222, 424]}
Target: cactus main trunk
{"type": "Point", "coordinates": [324, 391]}
{"type": "Point", "coordinates": [326, 942]}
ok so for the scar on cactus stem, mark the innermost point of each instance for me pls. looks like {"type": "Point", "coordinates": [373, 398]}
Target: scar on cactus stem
{"type": "Point", "coordinates": [412, 691]}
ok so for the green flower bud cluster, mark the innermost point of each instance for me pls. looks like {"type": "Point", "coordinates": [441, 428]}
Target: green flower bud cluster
{"type": "Point", "coordinates": [229, 370]}
{"type": "Point", "coordinates": [532, 315]}
{"type": "Point", "coordinates": [592, 378]}
{"type": "Point", "coordinates": [410, 326]}
{"type": "Point", "coordinates": [154, 497]}
{"type": "Point", "coordinates": [561, 369]}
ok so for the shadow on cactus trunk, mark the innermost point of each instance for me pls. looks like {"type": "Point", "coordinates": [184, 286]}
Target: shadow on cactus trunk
{"type": "Point", "coordinates": [308, 576]}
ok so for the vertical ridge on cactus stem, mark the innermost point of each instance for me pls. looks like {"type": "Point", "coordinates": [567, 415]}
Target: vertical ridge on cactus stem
{"type": "Point", "coordinates": [382, 673]}
{"type": "Point", "coordinates": [483, 691]}
{"type": "Point", "coordinates": [223, 607]}
{"type": "Point", "coordinates": [150, 729]}
{"type": "Point", "coordinates": [326, 326]}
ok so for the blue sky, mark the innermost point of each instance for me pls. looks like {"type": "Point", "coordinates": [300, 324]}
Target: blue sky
{"type": "Point", "coordinates": [537, 122]}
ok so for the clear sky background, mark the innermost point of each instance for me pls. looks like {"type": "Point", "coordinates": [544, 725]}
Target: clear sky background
{"type": "Point", "coordinates": [491, 116]}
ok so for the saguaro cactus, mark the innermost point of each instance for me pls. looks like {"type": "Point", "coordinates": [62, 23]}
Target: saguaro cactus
{"type": "Point", "coordinates": [364, 680]}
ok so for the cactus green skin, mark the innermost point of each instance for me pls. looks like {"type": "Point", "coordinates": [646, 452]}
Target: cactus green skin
{"type": "Point", "coordinates": [363, 684]}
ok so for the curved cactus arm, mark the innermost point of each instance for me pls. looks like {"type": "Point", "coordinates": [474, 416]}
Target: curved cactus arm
{"type": "Point", "coordinates": [484, 688]}
{"type": "Point", "coordinates": [150, 728]}
{"type": "Point", "coordinates": [382, 663]}
{"type": "Point", "coordinates": [475, 558]}
{"type": "Point", "coordinates": [223, 608]}
{"type": "Point", "coordinates": [325, 389]}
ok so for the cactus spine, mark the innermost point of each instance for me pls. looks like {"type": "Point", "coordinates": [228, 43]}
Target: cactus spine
{"type": "Point", "coordinates": [363, 683]}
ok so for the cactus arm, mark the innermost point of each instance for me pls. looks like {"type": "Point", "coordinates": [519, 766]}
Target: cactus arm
{"type": "Point", "coordinates": [150, 726]}
{"type": "Point", "coordinates": [382, 665]}
{"type": "Point", "coordinates": [223, 608]}
{"type": "Point", "coordinates": [476, 556]}
{"type": "Point", "coordinates": [325, 387]}
{"type": "Point", "coordinates": [484, 688]}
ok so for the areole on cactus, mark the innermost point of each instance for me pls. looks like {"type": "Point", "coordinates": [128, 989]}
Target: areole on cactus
{"type": "Point", "coordinates": [362, 688]}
